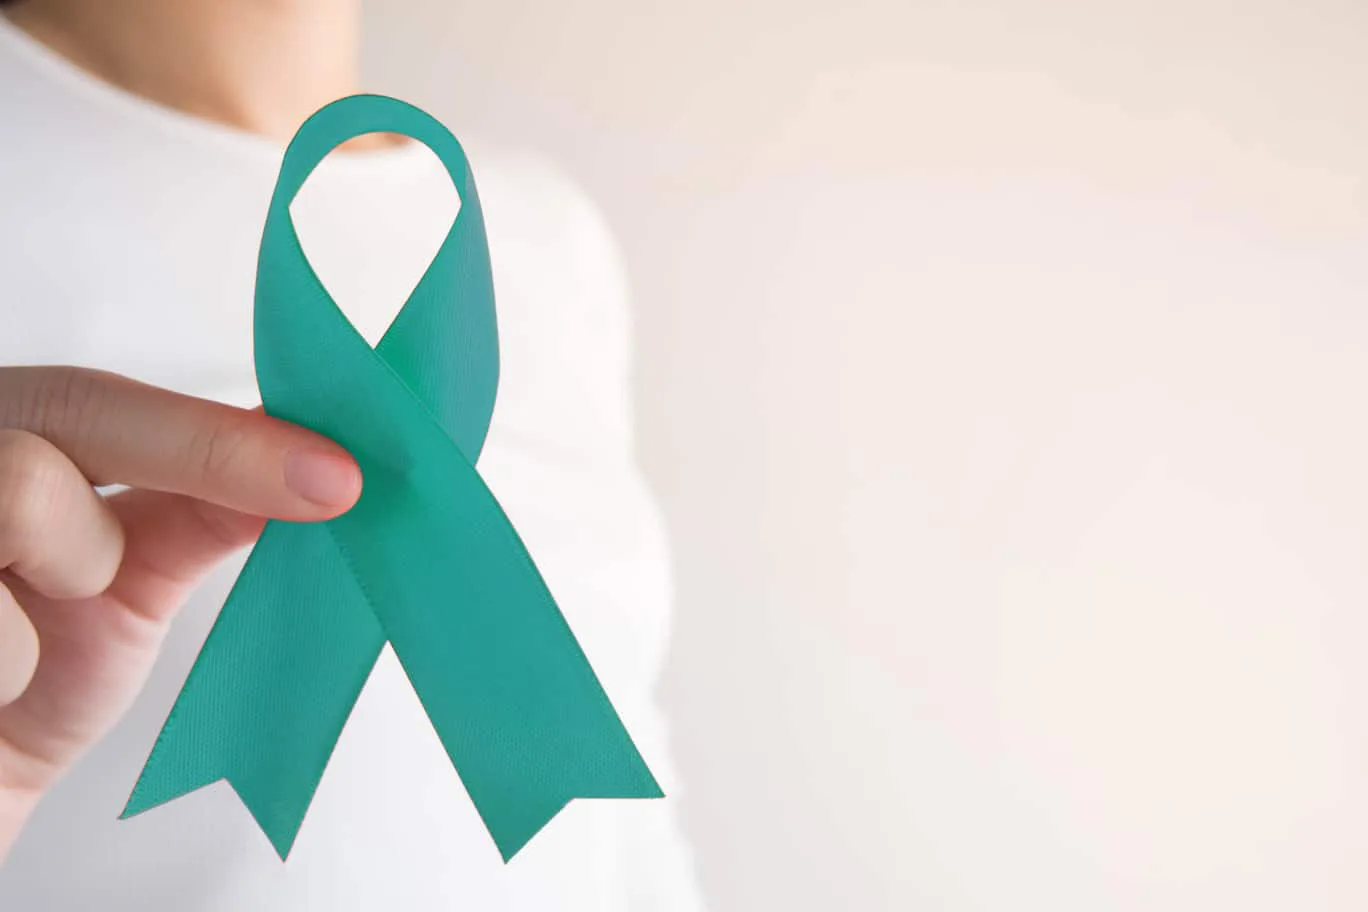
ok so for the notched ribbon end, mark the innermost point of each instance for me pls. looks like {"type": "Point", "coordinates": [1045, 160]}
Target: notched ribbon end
{"type": "Point", "coordinates": [152, 791]}
{"type": "Point", "coordinates": [515, 824]}
{"type": "Point", "coordinates": [279, 820]}
{"type": "Point", "coordinates": [280, 823]}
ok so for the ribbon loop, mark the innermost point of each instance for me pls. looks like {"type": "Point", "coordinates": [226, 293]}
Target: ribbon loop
{"type": "Point", "coordinates": [426, 559]}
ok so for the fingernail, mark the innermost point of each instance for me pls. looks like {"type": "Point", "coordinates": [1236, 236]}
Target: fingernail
{"type": "Point", "coordinates": [322, 478]}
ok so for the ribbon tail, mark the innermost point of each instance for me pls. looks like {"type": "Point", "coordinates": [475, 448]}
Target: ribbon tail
{"type": "Point", "coordinates": [271, 689]}
{"type": "Point", "coordinates": [508, 689]}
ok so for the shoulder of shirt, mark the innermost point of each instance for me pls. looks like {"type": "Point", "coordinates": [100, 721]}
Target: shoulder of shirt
{"type": "Point", "coordinates": [550, 241]}
{"type": "Point", "coordinates": [526, 185]}
{"type": "Point", "coordinates": [534, 172]}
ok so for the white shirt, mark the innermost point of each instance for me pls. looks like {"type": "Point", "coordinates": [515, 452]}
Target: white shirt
{"type": "Point", "coordinates": [128, 240]}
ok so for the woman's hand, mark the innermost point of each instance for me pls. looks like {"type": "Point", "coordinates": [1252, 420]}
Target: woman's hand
{"type": "Point", "coordinates": [88, 584]}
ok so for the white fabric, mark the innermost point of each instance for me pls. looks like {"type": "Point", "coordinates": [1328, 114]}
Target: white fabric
{"type": "Point", "coordinates": [128, 238]}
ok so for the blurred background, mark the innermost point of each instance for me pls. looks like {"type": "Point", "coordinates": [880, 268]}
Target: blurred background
{"type": "Point", "coordinates": [1001, 371]}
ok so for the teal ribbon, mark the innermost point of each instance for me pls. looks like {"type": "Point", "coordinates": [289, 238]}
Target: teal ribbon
{"type": "Point", "coordinates": [426, 560]}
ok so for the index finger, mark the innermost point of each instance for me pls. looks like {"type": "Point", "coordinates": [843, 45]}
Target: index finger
{"type": "Point", "coordinates": [120, 431]}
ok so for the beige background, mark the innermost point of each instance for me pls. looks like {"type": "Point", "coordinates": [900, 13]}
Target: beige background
{"type": "Point", "coordinates": [1002, 373]}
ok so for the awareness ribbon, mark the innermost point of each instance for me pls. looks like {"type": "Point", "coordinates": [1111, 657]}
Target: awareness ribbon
{"type": "Point", "coordinates": [426, 560]}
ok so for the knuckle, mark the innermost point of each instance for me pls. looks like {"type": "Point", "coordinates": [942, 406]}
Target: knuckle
{"type": "Point", "coordinates": [215, 451]}
{"type": "Point", "coordinates": [56, 401]}
{"type": "Point", "coordinates": [31, 484]}
{"type": "Point", "coordinates": [60, 404]}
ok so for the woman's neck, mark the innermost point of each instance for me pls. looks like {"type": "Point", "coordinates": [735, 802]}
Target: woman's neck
{"type": "Point", "coordinates": [256, 65]}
